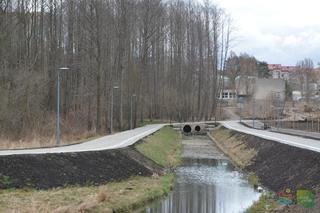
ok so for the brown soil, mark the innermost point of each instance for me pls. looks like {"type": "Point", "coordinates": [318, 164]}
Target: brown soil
{"type": "Point", "coordinates": [83, 168]}
{"type": "Point", "coordinates": [277, 165]}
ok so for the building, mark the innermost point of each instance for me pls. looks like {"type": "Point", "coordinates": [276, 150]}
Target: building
{"type": "Point", "coordinates": [260, 96]}
{"type": "Point", "coordinates": [228, 94]}
{"type": "Point", "coordinates": [296, 95]}
{"type": "Point", "coordinates": [259, 88]}
{"type": "Point", "coordinates": [247, 87]}
{"type": "Point", "coordinates": [266, 88]}
{"type": "Point", "coordinates": [281, 72]}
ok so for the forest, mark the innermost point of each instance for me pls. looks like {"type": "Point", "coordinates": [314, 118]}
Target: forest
{"type": "Point", "coordinates": [139, 59]}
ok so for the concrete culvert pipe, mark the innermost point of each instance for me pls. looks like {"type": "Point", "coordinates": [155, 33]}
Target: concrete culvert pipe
{"type": "Point", "coordinates": [197, 128]}
{"type": "Point", "coordinates": [187, 129]}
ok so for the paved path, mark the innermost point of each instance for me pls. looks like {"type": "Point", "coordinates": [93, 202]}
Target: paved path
{"type": "Point", "coordinates": [296, 132]}
{"type": "Point", "coordinates": [305, 143]}
{"type": "Point", "coordinates": [127, 138]}
{"type": "Point", "coordinates": [115, 141]}
{"type": "Point", "coordinates": [230, 113]}
{"type": "Point", "coordinates": [256, 124]}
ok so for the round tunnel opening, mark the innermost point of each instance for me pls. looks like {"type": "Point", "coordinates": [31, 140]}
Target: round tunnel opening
{"type": "Point", "coordinates": [187, 129]}
{"type": "Point", "coordinates": [197, 128]}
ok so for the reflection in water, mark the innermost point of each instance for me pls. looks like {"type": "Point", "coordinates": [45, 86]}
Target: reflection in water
{"type": "Point", "coordinates": [207, 189]}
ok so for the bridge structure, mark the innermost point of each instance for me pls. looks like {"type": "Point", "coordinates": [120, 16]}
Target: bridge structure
{"type": "Point", "coordinates": [195, 128]}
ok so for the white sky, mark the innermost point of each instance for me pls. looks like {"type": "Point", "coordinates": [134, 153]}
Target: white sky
{"type": "Point", "coordinates": [276, 31]}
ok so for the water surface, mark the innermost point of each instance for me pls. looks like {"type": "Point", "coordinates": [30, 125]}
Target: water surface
{"type": "Point", "coordinates": [215, 188]}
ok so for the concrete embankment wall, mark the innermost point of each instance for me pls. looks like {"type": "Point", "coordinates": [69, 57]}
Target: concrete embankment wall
{"type": "Point", "coordinates": [277, 165]}
{"type": "Point", "coordinates": [55, 170]}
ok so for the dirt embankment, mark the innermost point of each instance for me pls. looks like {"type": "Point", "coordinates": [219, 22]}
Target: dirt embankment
{"type": "Point", "coordinates": [277, 165]}
{"type": "Point", "coordinates": [57, 170]}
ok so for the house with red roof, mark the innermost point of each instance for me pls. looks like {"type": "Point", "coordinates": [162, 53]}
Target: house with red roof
{"type": "Point", "coordinates": [281, 72]}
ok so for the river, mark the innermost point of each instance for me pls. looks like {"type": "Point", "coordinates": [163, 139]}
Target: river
{"type": "Point", "coordinates": [206, 183]}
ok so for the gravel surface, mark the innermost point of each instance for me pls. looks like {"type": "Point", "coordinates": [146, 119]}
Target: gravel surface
{"type": "Point", "coordinates": [200, 147]}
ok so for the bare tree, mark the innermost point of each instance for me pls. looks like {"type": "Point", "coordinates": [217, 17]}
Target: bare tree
{"type": "Point", "coordinates": [305, 72]}
{"type": "Point", "coordinates": [165, 56]}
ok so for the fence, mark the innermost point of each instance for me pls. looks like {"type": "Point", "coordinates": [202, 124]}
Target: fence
{"type": "Point", "coordinates": [311, 125]}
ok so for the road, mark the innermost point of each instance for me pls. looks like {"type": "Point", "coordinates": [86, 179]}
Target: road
{"type": "Point", "coordinates": [230, 113]}
{"type": "Point", "coordinates": [304, 143]}
{"type": "Point", "coordinates": [127, 138]}
{"type": "Point", "coordinates": [115, 141]}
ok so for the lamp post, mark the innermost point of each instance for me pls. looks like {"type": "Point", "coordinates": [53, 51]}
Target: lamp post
{"type": "Point", "coordinates": [58, 105]}
{"type": "Point", "coordinates": [278, 110]}
{"type": "Point", "coordinates": [131, 110]}
{"type": "Point", "coordinates": [240, 104]}
{"type": "Point", "coordinates": [111, 113]}
{"type": "Point", "coordinates": [276, 95]}
{"type": "Point", "coordinates": [237, 92]}
{"type": "Point", "coordinates": [253, 112]}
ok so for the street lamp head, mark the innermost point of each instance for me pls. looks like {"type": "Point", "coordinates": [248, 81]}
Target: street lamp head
{"type": "Point", "coordinates": [64, 68]}
{"type": "Point", "coordinates": [115, 87]}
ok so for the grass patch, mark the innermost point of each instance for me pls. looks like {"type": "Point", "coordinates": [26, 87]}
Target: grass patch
{"type": "Point", "coordinates": [253, 179]}
{"type": "Point", "coordinates": [163, 147]}
{"type": "Point", "coordinates": [5, 180]}
{"type": "Point", "coordinates": [266, 203]}
{"type": "Point", "coordinates": [234, 146]}
{"type": "Point", "coordinates": [148, 122]}
{"type": "Point", "coordinates": [121, 196]}
{"type": "Point", "coordinates": [37, 141]}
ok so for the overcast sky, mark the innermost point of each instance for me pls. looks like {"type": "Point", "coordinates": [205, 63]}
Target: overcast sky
{"type": "Point", "coordinates": [276, 31]}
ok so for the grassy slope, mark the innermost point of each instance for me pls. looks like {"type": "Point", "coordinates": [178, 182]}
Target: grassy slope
{"type": "Point", "coordinates": [147, 122]}
{"type": "Point", "coordinates": [265, 204]}
{"type": "Point", "coordinates": [122, 196]}
{"type": "Point", "coordinates": [234, 148]}
{"type": "Point", "coordinates": [163, 147]}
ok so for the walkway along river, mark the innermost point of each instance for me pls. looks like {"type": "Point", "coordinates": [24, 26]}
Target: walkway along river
{"type": "Point", "coordinates": [206, 183]}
